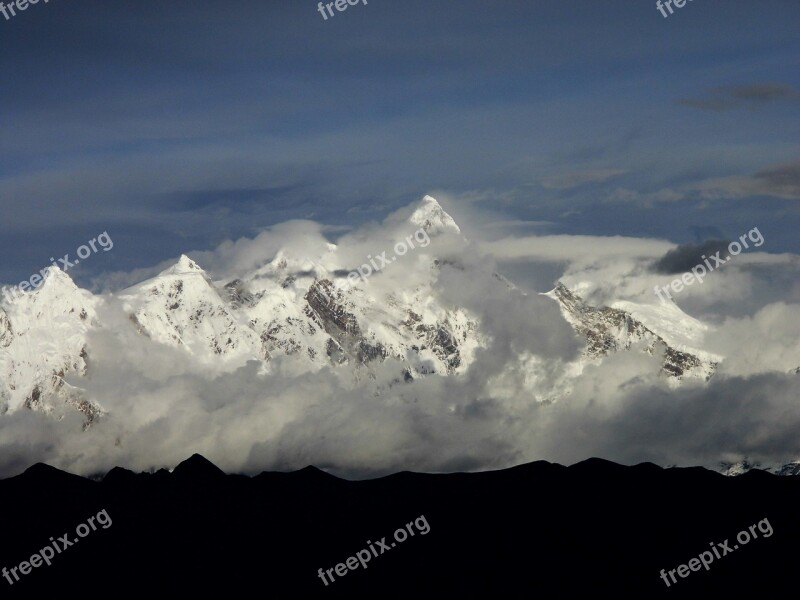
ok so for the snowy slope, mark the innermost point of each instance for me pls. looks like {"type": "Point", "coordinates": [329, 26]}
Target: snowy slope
{"type": "Point", "coordinates": [612, 329]}
{"type": "Point", "coordinates": [679, 330]}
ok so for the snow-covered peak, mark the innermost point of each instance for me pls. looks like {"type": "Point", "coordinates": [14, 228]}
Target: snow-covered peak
{"type": "Point", "coordinates": [284, 262]}
{"type": "Point", "coordinates": [43, 335]}
{"type": "Point", "coordinates": [185, 271]}
{"type": "Point", "coordinates": [288, 269]}
{"type": "Point", "coordinates": [184, 266]}
{"type": "Point", "coordinates": [430, 215]}
{"type": "Point", "coordinates": [57, 294]}
{"type": "Point", "coordinates": [55, 277]}
{"type": "Point", "coordinates": [55, 284]}
{"type": "Point", "coordinates": [182, 307]}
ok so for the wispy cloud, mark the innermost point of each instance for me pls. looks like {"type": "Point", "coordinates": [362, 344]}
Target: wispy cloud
{"type": "Point", "coordinates": [777, 181]}
{"type": "Point", "coordinates": [743, 96]}
{"type": "Point", "coordinates": [646, 199]}
{"type": "Point", "coordinates": [576, 179]}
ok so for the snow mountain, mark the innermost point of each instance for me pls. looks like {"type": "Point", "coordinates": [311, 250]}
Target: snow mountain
{"type": "Point", "coordinates": [743, 466]}
{"type": "Point", "coordinates": [304, 309]}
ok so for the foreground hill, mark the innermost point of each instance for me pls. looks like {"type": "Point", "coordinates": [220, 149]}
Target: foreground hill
{"type": "Point", "coordinates": [537, 530]}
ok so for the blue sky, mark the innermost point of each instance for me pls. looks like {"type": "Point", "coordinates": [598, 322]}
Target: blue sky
{"type": "Point", "coordinates": [177, 125]}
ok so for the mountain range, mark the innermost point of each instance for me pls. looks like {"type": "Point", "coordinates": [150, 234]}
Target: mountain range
{"type": "Point", "coordinates": [303, 307]}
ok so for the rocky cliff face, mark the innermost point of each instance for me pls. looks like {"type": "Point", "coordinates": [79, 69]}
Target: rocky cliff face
{"type": "Point", "coordinates": [608, 330]}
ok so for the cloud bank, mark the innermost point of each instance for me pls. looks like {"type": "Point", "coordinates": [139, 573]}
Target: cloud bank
{"type": "Point", "coordinates": [162, 407]}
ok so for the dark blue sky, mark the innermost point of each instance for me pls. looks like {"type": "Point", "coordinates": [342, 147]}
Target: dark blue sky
{"type": "Point", "coordinates": [175, 125]}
